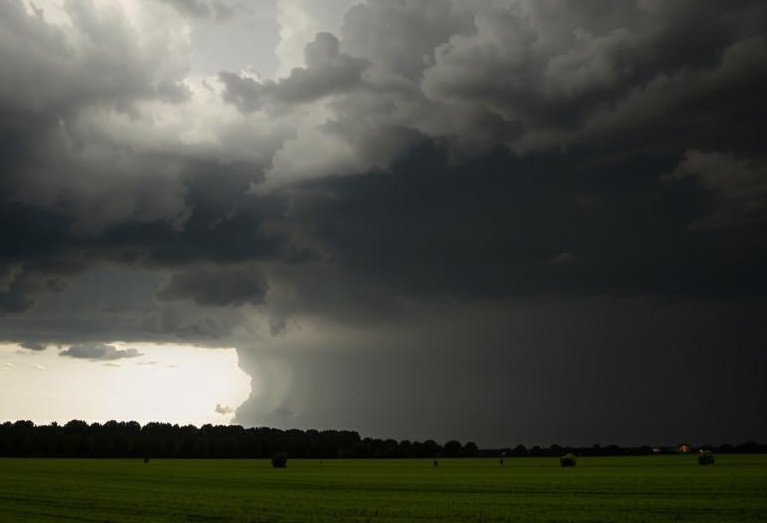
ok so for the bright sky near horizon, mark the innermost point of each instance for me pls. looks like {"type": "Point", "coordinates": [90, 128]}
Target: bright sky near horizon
{"type": "Point", "coordinates": [168, 383]}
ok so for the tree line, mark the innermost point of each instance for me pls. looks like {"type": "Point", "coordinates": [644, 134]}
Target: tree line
{"type": "Point", "coordinates": [121, 439]}
{"type": "Point", "coordinates": [128, 439]}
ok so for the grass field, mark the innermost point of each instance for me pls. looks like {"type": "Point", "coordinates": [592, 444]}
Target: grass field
{"type": "Point", "coordinates": [652, 488]}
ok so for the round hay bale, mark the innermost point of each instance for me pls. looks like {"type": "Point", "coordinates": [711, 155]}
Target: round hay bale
{"type": "Point", "coordinates": [705, 457]}
{"type": "Point", "coordinates": [568, 460]}
{"type": "Point", "coordinates": [280, 460]}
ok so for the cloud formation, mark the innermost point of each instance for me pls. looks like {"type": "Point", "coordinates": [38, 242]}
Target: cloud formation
{"type": "Point", "coordinates": [223, 409]}
{"type": "Point", "coordinates": [217, 10]}
{"type": "Point", "coordinates": [408, 157]}
{"type": "Point", "coordinates": [217, 288]}
{"type": "Point", "coordinates": [738, 187]}
{"type": "Point", "coordinates": [99, 352]}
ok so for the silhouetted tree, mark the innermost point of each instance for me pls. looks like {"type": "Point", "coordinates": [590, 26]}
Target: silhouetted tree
{"type": "Point", "coordinates": [470, 449]}
{"type": "Point", "coordinates": [453, 449]}
{"type": "Point", "coordinates": [519, 451]}
{"type": "Point", "coordinates": [431, 449]}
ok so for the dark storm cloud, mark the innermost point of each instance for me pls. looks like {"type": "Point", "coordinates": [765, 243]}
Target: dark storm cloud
{"type": "Point", "coordinates": [20, 283]}
{"type": "Point", "coordinates": [532, 372]}
{"type": "Point", "coordinates": [226, 224]}
{"type": "Point", "coordinates": [738, 187]}
{"type": "Point", "coordinates": [43, 251]}
{"type": "Point", "coordinates": [217, 288]}
{"type": "Point", "coordinates": [99, 306]}
{"type": "Point", "coordinates": [505, 226]}
{"type": "Point", "coordinates": [76, 197]}
{"type": "Point", "coordinates": [608, 79]}
{"type": "Point", "coordinates": [572, 218]}
{"type": "Point", "coordinates": [484, 220]}
{"type": "Point", "coordinates": [99, 352]}
{"type": "Point", "coordinates": [16, 294]}
{"type": "Point", "coordinates": [578, 74]}
{"type": "Point", "coordinates": [53, 187]}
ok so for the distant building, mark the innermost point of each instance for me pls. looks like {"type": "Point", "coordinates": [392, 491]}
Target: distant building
{"type": "Point", "coordinates": [683, 448]}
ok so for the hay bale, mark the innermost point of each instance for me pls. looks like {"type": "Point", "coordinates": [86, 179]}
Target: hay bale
{"type": "Point", "coordinates": [568, 460]}
{"type": "Point", "coordinates": [705, 457]}
{"type": "Point", "coordinates": [280, 460]}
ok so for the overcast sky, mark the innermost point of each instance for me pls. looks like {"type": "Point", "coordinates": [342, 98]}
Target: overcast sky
{"type": "Point", "coordinates": [532, 221]}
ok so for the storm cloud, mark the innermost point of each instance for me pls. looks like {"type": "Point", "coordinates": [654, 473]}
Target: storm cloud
{"type": "Point", "coordinates": [430, 212]}
{"type": "Point", "coordinates": [236, 287]}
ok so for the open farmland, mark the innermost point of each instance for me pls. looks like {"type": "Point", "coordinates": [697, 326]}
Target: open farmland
{"type": "Point", "coordinates": [658, 488]}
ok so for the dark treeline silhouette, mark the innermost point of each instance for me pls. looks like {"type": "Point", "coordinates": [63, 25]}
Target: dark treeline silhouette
{"type": "Point", "coordinates": [748, 447]}
{"type": "Point", "coordinates": [115, 439]}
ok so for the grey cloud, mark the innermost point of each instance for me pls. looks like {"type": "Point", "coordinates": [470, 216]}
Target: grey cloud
{"type": "Point", "coordinates": [223, 409]}
{"type": "Point", "coordinates": [62, 73]}
{"type": "Point", "coordinates": [45, 250]}
{"type": "Point", "coordinates": [99, 352]}
{"type": "Point", "coordinates": [33, 346]}
{"type": "Point", "coordinates": [25, 283]}
{"type": "Point", "coordinates": [139, 190]}
{"type": "Point", "coordinates": [492, 228]}
{"type": "Point", "coordinates": [212, 9]}
{"type": "Point", "coordinates": [219, 288]}
{"type": "Point", "coordinates": [530, 76]}
{"type": "Point", "coordinates": [403, 35]}
{"type": "Point", "coordinates": [163, 218]}
{"type": "Point", "coordinates": [278, 326]}
{"type": "Point", "coordinates": [86, 313]}
{"type": "Point", "coordinates": [739, 187]}
{"type": "Point", "coordinates": [327, 72]}
{"type": "Point", "coordinates": [557, 73]}
{"type": "Point", "coordinates": [53, 159]}
{"type": "Point", "coordinates": [16, 298]}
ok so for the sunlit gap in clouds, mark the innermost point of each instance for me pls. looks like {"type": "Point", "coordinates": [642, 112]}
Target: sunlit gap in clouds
{"type": "Point", "coordinates": [168, 383]}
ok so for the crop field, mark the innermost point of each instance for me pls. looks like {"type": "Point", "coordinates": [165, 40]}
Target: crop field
{"type": "Point", "coordinates": [650, 488]}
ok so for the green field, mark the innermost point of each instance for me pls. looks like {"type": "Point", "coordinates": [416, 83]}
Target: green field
{"type": "Point", "coordinates": [661, 488]}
